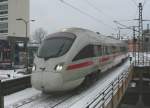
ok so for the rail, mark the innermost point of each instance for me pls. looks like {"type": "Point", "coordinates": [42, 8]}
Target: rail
{"type": "Point", "coordinates": [11, 86]}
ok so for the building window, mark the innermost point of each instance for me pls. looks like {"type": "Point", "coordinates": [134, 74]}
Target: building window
{"type": "Point", "coordinates": [3, 7]}
{"type": "Point", "coordinates": [3, 25]}
{"type": "Point", "coordinates": [3, 19]}
{"type": "Point", "coordinates": [146, 39]}
{"type": "Point", "coordinates": [100, 50]}
{"type": "Point", "coordinates": [3, 12]}
{"type": "Point", "coordinates": [3, 0]}
{"type": "Point", "coordinates": [86, 52]}
{"type": "Point", "coordinates": [3, 31]}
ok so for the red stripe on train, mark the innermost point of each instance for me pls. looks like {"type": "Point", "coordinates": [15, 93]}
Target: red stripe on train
{"type": "Point", "coordinates": [103, 59]}
{"type": "Point", "coordinates": [80, 65]}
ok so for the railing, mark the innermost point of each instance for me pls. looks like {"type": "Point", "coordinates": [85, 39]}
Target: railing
{"type": "Point", "coordinates": [11, 86]}
{"type": "Point", "coordinates": [111, 95]}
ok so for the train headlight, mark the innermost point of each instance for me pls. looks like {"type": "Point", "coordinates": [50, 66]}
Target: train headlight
{"type": "Point", "coordinates": [59, 67]}
{"type": "Point", "coordinates": [34, 68]}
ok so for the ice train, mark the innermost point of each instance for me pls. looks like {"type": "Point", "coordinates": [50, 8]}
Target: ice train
{"type": "Point", "coordinates": [66, 58]}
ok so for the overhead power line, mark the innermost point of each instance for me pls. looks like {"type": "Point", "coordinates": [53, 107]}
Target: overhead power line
{"type": "Point", "coordinates": [87, 14]}
{"type": "Point", "coordinates": [98, 10]}
{"type": "Point", "coordinates": [126, 27]}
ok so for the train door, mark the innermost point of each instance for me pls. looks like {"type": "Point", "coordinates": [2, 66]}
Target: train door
{"type": "Point", "coordinates": [1, 57]}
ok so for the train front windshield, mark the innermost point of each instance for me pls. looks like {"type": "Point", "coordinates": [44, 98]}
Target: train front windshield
{"type": "Point", "coordinates": [54, 47]}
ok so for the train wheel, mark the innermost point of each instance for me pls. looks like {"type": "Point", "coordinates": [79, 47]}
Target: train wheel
{"type": "Point", "coordinates": [87, 80]}
{"type": "Point", "coordinates": [91, 78]}
{"type": "Point", "coordinates": [98, 75]}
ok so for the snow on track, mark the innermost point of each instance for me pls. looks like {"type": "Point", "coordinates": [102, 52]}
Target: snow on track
{"type": "Point", "coordinates": [15, 98]}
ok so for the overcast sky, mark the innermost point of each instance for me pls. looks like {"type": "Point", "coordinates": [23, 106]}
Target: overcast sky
{"type": "Point", "coordinates": [53, 15]}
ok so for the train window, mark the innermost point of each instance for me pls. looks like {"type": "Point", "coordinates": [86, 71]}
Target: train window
{"type": "Point", "coordinates": [114, 49]}
{"type": "Point", "coordinates": [86, 52]}
{"type": "Point", "coordinates": [6, 55]}
{"type": "Point", "coordinates": [99, 47]}
{"type": "Point", "coordinates": [1, 57]}
{"type": "Point", "coordinates": [110, 50]}
{"type": "Point", "coordinates": [104, 52]}
{"type": "Point", "coordinates": [123, 49]}
{"type": "Point", "coordinates": [107, 50]}
{"type": "Point", "coordinates": [54, 47]}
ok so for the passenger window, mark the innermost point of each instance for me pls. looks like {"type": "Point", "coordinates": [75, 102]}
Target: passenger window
{"type": "Point", "coordinates": [110, 51]}
{"type": "Point", "coordinates": [114, 49]}
{"type": "Point", "coordinates": [86, 52]}
{"type": "Point", "coordinates": [106, 50]}
{"type": "Point", "coordinates": [99, 50]}
{"type": "Point", "coordinates": [103, 50]}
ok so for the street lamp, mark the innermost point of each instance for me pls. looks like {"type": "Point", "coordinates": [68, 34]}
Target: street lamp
{"type": "Point", "coordinates": [26, 29]}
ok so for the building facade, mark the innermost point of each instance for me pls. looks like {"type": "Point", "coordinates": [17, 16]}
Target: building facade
{"type": "Point", "coordinates": [133, 45]}
{"type": "Point", "coordinates": [10, 10]}
{"type": "Point", "coordinates": [13, 32]}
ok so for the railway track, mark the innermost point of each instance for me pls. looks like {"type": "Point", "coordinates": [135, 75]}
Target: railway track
{"type": "Point", "coordinates": [41, 101]}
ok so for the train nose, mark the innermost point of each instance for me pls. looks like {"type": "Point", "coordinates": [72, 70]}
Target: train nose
{"type": "Point", "coordinates": [47, 81]}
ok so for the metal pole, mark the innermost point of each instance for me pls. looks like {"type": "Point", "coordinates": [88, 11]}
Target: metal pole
{"type": "Point", "coordinates": [140, 35]}
{"type": "Point", "coordinates": [119, 34]}
{"type": "Point", "coordinates": [26, 40]}
{"type": "Point", "coordinates": [27, 64]}
{"type": "Point", "coordinates": [134, 45]}
{"type": "Point", "coordinates": [147, 45]}
{"type": "Point", "coordinates": [1, 96]}
{"type": "Point", "coordinates": [112, 95]}
{"type": "Point", "coordinates": [133, 42]}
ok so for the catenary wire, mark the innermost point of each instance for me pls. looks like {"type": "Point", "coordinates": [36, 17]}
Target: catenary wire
{"type": "Point", "coordinates": [87, 14]}
{"type": "Point", "coordinates": [97, 9]}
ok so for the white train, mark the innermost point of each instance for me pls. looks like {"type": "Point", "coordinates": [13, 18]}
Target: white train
{"type": "Point", "coordinates": [66, 58]}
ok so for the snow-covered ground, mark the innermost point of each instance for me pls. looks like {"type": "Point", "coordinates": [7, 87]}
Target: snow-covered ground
{"type": "Point", "coordinates": [77, 101]}
{"type": "Point", "coordinates": [10, 74]}
{"type": "Point", "coordinates": [13, 98]}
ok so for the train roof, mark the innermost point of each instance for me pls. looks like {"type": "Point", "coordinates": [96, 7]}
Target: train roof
{"type": "Point", "coordinates": [95, 37]}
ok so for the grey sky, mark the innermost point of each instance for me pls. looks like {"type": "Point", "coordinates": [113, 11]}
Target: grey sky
{"type": "Point", "coordinates": [53, 15]}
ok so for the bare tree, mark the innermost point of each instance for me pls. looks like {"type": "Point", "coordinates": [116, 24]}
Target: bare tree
{"type": "Point", "coordinates": [39, 35]}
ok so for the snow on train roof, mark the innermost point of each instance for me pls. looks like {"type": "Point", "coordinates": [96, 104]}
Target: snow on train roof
{"type": "Point", "coordinates": [95, 36]}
